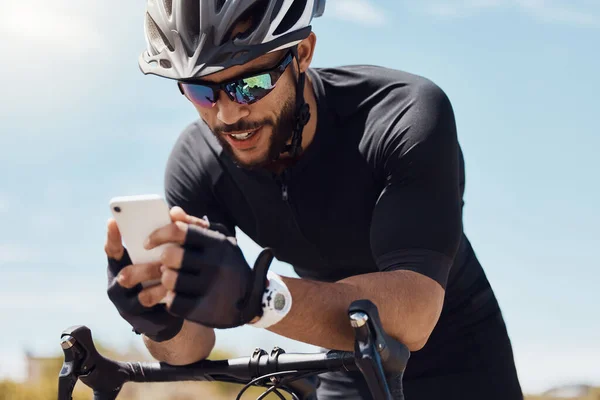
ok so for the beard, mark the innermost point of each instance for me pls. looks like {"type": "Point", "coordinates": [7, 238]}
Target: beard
{"type": "Point", "coordinates": [281, 133]}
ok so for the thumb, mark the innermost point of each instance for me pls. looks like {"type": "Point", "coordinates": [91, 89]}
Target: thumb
{"type": "Point", "coordinates": [114, 247]}
{"type": "Point", "coordinates": [178, 214]}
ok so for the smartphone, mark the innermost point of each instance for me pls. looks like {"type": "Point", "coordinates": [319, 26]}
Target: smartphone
{"type": "Point", "coordinates": [137, 217]}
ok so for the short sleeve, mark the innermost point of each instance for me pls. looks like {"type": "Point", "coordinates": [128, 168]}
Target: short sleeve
{"type": "Point", "coordinates": [417, 221]}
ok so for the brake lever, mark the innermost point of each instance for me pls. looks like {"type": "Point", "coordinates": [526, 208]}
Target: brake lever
{"type": "Point", "coordinates": [379, 356]}
{"type": "Point", "coordinates": [104, 377]}
{"type": "Point", "coordinates": [70, 371]}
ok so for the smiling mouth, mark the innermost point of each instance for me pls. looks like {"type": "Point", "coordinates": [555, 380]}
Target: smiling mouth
{"type": "Point", "coordinates": [243, 136]}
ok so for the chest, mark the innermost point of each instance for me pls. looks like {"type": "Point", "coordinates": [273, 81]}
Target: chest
{"type": "Point", "coordinates": [316, 218]}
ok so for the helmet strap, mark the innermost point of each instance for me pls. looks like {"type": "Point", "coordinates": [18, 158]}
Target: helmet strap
{"type": "Point", "coordinates": [302, 114]}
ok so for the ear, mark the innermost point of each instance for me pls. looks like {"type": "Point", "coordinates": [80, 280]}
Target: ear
{"type": "Point", "coordinates": [306, 49]}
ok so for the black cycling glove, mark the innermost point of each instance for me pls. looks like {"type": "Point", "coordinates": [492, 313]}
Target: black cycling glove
{"type": "Point", "coordinates": [155, 322]}
{"type": "Point", "coordinates": [216, 287]}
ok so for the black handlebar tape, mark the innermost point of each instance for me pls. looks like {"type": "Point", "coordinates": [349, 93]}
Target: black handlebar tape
{"type": "Point", "coordinates": [105, 396]}
{"type": "Point", "coordinates": [395, 385]}
{"type": "Point", "coordinates": [238, 369]}
{"type": "Point", "coordinates": [66, 384]}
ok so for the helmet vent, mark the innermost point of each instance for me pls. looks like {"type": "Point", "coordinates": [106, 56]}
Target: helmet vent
{"type": "Point", "coordinates": [219, 5]}
{"type": "Point", "coordinates": [276, 10]}
{"type": "Point", "coordinates": [291, 17]}
{"type": "Point", "coordinates": [191, 19]}
{"type": "Point", "coordinates": [155, 36]}
{"type": "Point", "coordinates": [165, 64]}
{"type": "Point", "coordinates": [254, 15]}
{"type": "Point", "coordinates": [168, 7]}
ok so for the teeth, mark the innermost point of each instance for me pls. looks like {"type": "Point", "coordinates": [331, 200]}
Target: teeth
{"type": "Point", "coordinates": [242, 136]}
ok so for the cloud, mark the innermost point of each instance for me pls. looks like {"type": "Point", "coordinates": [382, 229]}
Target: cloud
{"type": "Point", "coordinates": [552, 11]}
{"type": "Point", "coordinates": [460, 8]}
{"type": "Point", "coordinates": [363, 12]}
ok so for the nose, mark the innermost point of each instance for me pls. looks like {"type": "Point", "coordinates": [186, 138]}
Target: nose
{"type": "Point", "coordinates": [230, 112]}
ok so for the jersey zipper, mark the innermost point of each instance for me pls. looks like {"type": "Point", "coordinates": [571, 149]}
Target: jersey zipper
{"type": "Point", "coordinates": [284, 192]}
{"type": "Point", "coordinates": [285, 196]}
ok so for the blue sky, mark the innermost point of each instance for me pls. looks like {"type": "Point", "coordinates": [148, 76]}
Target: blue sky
{"type": "Point", "coordinates": [81, 124]}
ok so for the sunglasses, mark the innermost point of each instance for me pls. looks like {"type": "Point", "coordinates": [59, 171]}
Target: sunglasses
{"type": "Point", "coordinates": [245, 90]}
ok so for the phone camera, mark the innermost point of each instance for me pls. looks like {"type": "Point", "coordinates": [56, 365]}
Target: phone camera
{"type": "Point", "coordinates": [117, 209]}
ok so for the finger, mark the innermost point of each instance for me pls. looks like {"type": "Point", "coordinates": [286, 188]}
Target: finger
{"type": "Point", "coordinates": [114, 246]}
{"type": "Point", "coordinates": [172, 233]}
{"type": "Point", "coordinates": [180, 304]}
{"type": "Point", "coordinates": [186, 283]}
{"type": "Point", "coordinates": [217, 226]}
{"type": "Point", "coordinates": [169, 299]}
{"type": "Point", "coordinates": [178, 214]}
{"type": "Point", "coordinates": [127, 301]}
{"type": "Point", "coordinates": [135, 274]}
{"type": "Point", "coordinates": [201, 222]}
{"type": "Point", "coordinates": [172, 257]}
{"type": "Point", "coordinates": [150, 297]}
{"type": "Point", "coordinates": [198, 237]}
{"type": "Point", "coordinates": [169, 277]}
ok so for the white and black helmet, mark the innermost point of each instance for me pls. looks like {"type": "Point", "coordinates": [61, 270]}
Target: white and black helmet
{"type": "Point", "coordinates": [192, 38]}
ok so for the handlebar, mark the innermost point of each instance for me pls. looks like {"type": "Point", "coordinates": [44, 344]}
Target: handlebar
{"type": "Point", "coordinates": [380, 358]}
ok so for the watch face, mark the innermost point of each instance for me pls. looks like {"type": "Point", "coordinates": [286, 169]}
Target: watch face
{"type": "Point", "coordinates": [279, 302]}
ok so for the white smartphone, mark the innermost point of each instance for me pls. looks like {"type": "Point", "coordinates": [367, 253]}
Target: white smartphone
{"type": "Point", "coordinates": [137, 217]}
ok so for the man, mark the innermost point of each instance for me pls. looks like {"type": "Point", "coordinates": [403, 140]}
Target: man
{"type": "Point", "coordinates": [352, 175]}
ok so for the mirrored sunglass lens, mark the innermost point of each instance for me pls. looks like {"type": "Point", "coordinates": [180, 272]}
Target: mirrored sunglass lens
{"type": "Point", "coordinates": [200, 94]}
{"type": "Point", "coordinates": [253, 88]}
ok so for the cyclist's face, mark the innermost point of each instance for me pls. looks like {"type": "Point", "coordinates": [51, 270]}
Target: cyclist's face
{"type": "Point", "coordinates": [269, 120]}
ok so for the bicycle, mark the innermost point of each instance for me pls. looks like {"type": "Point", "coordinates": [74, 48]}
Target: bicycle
{"type": "Point", "coordinates": [380, 358]}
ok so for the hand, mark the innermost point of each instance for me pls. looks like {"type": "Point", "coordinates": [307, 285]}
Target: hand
{"type": "Point", "coordinates": [134, 303]}
{"type": "Point", "coordinates": [208, 279]}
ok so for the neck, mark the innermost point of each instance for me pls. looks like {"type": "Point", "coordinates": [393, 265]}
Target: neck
{"type": "Point", "coordinates": [308, 134]}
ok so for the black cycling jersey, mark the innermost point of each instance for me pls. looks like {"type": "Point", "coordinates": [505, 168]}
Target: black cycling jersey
{"type": "Point", "coordinates": [379, 188]}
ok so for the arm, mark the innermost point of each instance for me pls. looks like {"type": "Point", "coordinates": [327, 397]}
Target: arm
{"type": "Point", "coordinates": [409, 305]}
{"type": "Point", "coordinates": [415, 232]}
{"type": "Point", "coordinates": [188, 186]}
{"type": "Point", "coordinates": [193, 343]}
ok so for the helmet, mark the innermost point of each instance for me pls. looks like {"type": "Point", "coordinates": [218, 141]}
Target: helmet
{"type": "Point", "coordinates": [191, 38]}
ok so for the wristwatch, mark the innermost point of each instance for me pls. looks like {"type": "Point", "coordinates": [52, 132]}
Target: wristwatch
{"type": "Point", "coordinates": [276, 302]}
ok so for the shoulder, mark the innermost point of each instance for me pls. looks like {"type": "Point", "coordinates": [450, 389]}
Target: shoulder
{"type": "Point", "coordinates": [351, 89]}
{"type": "Point", "coordinates": [193, 162]}
{"type": "Point", "coordinates": [396, 111]}
{"type": "Point", "coordinates": [194, 143]}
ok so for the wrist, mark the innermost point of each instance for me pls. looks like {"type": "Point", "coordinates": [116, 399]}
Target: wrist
{"type": "Point", "coordinates": [194, 343]}
{"type": "Point", "coordinates": [276, 302]}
